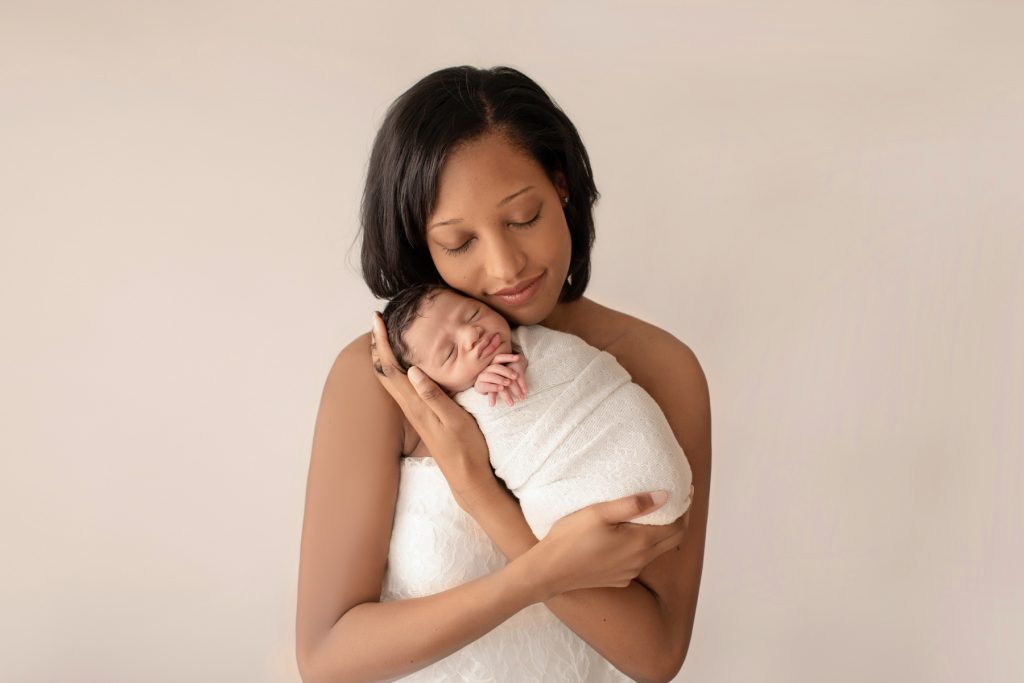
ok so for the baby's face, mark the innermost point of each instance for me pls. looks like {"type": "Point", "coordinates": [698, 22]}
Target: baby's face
{"type": "Point", "coordinates": [454, 339]}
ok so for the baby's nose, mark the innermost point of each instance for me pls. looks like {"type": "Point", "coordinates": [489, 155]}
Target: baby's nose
{"type": "Point", "coordinates": [471, 334]}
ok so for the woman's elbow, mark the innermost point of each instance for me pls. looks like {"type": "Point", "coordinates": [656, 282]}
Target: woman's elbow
{"type": "Point", "coordinates": [310, 668]}
{"type": "Point", "coordinates": [669, 673]}
{"type": "Point", "coordinates": [304, 660]}
{"type": "Point", "coordinates": [670, 666]}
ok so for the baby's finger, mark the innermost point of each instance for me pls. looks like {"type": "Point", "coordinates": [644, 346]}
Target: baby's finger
{"type": "Point", "coordinates": [502, 370]}
{"type": "Point", "coordinates": [515, 391]}
{"type": "Point", "coordinates": [494, 378]}
{"type": "Point", "coordinates": [493, 398]}
{"type": "Point", "coordinates": [521, 382]}
{"type": "Point", "coordinates": [487, 387]}
{"type": "Point", "coordinates": [505, 358]}
{"type": "Point", "coordinates": [508, 399]}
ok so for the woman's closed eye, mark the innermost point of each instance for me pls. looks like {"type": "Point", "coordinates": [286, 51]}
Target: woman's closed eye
{"type": "Point", "coordinates": [465, 246]}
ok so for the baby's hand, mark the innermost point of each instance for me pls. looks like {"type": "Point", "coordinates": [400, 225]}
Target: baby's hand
{"type": "Point", "coordinates": [505, 376]}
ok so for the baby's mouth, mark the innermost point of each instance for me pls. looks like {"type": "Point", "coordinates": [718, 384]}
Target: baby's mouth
{"type": "Point", "coordinates": [490, 347]}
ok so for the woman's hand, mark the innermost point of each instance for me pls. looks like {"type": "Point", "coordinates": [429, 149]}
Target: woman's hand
{"type": "Point", "coordinates": [597, 547]}
{"type": "Point", "coordinates": [450, 433]}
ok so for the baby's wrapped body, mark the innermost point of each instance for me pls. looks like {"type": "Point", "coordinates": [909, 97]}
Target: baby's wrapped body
{"type": "Point", "coordinates": [584, 434]}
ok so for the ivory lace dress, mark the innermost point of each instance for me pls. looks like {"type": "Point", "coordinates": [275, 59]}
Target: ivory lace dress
{"type": "Point", "coordinates": [436, 545]}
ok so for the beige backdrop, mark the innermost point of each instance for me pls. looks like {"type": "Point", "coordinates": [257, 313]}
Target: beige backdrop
{"type": "Point", "coordinates": [823, 202]}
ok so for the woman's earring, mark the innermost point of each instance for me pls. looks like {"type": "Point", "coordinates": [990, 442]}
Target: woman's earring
{"type": "Point", "coordinates": [565, 201]}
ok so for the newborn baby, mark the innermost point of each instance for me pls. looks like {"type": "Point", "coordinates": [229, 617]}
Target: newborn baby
{"type": "Point", "coordinates": [585, 433]}
{"type": "Point", "coordinates": [457, 341]}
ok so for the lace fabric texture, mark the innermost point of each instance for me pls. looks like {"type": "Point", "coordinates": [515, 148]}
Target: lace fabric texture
{"type": "Point", "coordinates": [584, 434]}
{"type": "Point", "coordinates": [436, 545]}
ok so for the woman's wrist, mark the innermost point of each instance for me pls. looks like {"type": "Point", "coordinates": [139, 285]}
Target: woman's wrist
{"type": "Point", "coordinates": [498, 513]}
{"type": "Point", "coordinates": [524, 581]}
{"type": "Point", "coordinates": [476, 490]}
{"type": "Point", "coordinates": [535, 563]}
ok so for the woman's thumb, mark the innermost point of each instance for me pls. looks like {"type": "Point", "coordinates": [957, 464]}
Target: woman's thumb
{"type": "Point", "coordinates": [636, 505]}
{"type": "Point", "coordinates": [424, 386]}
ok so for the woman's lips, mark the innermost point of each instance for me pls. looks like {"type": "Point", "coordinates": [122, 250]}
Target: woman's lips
{"type": "Point", "coordinates": [524, 295]}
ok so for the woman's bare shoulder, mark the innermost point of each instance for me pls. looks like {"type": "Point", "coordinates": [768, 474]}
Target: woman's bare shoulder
{"type": "Point", "coordinates": [622, 332]}
{"type": "Point", "coordinates": [352, 363]}
{"type": "Point", "coordinates": [644, 349]}
{"type": "Point", "coordinates": [352, 374]}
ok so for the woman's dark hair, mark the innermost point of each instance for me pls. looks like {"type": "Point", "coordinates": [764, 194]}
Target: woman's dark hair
{"type": "Point", "coordinates": [441, 111]}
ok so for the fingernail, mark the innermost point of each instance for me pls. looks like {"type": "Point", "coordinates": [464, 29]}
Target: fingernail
{"type": "Point", "coordinates": [659, 497]}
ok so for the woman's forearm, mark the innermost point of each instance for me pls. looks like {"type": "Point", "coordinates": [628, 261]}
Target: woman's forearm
{"type": "Point", "coordinates": [625, 625]}
{"type": "Point", "coordinates": [377, 641]}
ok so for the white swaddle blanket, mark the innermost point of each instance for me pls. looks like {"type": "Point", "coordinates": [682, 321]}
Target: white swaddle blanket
{"type": "Point", "coordinates": [584, 434]}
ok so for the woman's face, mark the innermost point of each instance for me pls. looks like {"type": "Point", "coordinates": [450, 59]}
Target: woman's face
{"type": "Point", "coordinates": [498, 225]}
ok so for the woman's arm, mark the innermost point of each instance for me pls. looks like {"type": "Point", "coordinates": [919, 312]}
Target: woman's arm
{"type": "Point", "coordinates": [645, 627]}
{"type": "Point", "coordinates": [343, 631]}
{"type": "Point", "coordinates": [593, 549]}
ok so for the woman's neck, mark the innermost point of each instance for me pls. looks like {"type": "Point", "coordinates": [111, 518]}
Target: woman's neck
{"type": "Point", "coordinates": [566, 317]}
{"type": "Point", "coordinates": [599, 326]}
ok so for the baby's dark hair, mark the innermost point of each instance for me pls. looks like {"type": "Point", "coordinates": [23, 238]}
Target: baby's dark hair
{"type": "Point", "coordinates": [401, 311]}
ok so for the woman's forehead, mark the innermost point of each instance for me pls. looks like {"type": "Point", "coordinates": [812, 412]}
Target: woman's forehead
{"type": "Point", "coordinates": [481, 174]}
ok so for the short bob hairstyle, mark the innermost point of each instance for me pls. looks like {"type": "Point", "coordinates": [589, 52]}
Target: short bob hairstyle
{"type": "Point", "coordinates": [443, 110]}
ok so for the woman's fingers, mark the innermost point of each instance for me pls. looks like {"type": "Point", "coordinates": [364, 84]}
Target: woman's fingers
{"type": "Point", "coordinates": [666, 544]}
{"type": "Point", "coordinates": [667, 536]}
{"type": "Point", "coordinates": [393, 378]}
{"type": "Point", "coordinates": [442, 407]}
{"type": "Point", "coordinates": [675, 537]}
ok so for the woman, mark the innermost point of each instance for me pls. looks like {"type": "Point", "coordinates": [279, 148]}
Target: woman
{"type": "Point", "coordinates": [478, 180]}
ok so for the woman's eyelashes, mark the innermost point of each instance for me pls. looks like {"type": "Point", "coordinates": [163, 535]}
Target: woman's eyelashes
{"type": "Point", "coordinates": [465, 246]}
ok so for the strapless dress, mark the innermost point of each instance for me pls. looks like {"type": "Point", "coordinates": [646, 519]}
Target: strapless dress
{"type": "Point", "coordinates": [436, 545]}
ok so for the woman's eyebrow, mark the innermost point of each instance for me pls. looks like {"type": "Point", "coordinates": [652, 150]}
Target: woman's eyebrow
{"type": "Point", "coordinates": [500, 204]}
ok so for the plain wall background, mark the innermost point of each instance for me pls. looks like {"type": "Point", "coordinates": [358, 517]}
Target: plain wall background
{"type": "Point", "coordinates": [822, 201]}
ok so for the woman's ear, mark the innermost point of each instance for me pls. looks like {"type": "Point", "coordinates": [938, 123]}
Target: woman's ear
{"type": "Point", "coordinates": [560, 184]}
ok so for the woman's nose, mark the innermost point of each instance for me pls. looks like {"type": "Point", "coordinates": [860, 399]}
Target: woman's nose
{"type": "Point", "coordinates": [505, 261]}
